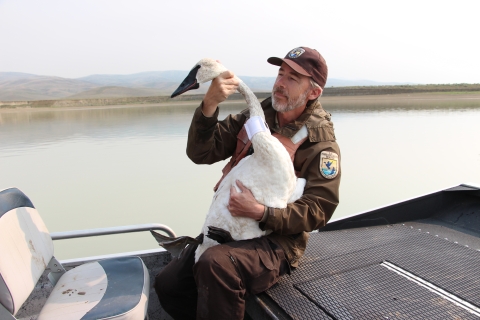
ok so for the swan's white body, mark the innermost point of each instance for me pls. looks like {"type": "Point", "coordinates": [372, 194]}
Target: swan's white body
{"type": "Point", "coordinates": [268, 173]}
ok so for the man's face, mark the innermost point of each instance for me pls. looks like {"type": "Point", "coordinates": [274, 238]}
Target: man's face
{"type": "Point", "coordinates": [290, 90]}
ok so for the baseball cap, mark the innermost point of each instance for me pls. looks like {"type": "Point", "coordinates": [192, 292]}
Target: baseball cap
{"type": "Point", "coordinates": [306, 61]}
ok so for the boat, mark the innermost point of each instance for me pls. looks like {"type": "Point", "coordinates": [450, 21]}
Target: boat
{"type": "Point", "coordinates": [415, 259]}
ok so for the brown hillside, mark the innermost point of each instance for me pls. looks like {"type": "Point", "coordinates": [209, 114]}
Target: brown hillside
{"type": "Point", "coordinates": [41, 87]}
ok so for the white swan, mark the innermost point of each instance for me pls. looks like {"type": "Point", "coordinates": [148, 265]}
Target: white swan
{"type": "Point", "coordinates": [268, 172]}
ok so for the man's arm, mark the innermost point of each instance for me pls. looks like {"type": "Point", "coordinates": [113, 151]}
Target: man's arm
{"type": "Point", "coordinates": [210, 140]}
{"type": "Point", "coordinates": [319, 200]}
{"type": "Point", "coordinates": [244, 204]}
{"type": "Point", "coordinates": [310, 212]}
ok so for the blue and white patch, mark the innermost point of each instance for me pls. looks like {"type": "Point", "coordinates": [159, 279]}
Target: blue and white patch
{"type": "Point", "coordinates": [329, 165]}
{"type": "Point", "coordinates": [295, 53]}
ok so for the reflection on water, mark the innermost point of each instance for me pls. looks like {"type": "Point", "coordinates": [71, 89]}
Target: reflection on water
{"type": "Point", "coordinates": [37, 128]}
{"type": "Point", "coordinates": [89, 168]}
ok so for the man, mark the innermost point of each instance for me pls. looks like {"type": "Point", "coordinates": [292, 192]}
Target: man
{"type": "Point", "coordinates": [215, 287]}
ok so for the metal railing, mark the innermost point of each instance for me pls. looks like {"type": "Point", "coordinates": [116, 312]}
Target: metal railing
{"type": "Point", "coordinates": [112, 230]}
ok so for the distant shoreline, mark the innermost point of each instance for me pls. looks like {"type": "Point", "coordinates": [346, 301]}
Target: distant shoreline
{"type": "Point", "coordinates": [340, 94]}
{"type": "Point", "coordinates": [472, 99]}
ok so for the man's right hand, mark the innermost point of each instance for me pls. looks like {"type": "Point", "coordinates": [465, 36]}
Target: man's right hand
{"type": "Point", "coordinates": [220, 89]}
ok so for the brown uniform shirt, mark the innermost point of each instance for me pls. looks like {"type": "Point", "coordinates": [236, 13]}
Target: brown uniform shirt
{"type": "Point", "coordinates": [210, 140]}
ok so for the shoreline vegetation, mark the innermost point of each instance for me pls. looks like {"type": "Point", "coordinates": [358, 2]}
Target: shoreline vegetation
{"type": "Point", "coordinates": [333, 95]}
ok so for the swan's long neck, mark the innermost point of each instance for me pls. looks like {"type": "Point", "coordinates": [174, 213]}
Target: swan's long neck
{"type": "Point", "coordinates": [253, 104]}
{"type": "Point", "coordinates": [262, 140]}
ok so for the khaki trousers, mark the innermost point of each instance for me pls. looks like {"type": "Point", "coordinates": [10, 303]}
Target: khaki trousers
{"type": "Point", "coordinates": [215, 287]}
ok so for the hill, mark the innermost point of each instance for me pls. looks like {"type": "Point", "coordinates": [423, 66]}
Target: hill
{"type": "Point", "coordinates": [16, 86]}
{"type": "Point", "coordinates": [152, 79]}
{"type": "Point", "coordinates": [22, 86]}
{"type": "Point", "coordinates": [118, 92]}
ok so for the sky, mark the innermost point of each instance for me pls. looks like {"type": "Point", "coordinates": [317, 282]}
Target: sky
{"type": "Point", "coordinates": [388, 41]}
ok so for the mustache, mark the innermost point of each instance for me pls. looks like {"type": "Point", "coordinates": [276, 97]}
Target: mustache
{"type": "Point", "coordinates": [280, 90]}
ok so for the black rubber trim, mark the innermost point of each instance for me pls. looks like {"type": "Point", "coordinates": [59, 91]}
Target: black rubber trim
{"type": "Point", "coordinates": [125, 278]}
{"type": "Point", "coordinates": [13, 198]}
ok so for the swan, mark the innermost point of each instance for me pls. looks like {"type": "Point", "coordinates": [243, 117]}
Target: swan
{"type": "Point", "coordinates": [268, 172]}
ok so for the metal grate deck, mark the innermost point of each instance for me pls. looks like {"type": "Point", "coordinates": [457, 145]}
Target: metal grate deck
{"type": "Point", "coordinates": [341, 277]}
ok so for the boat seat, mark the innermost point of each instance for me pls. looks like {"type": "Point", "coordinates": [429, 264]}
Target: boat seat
{"type": "Point", "coordinates": [116, 288]}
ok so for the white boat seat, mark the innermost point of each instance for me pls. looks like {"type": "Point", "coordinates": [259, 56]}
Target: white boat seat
{"type": "Point", "coordinates": [107, 289]}
{"type": "Point", "coordinates": [115, 288]}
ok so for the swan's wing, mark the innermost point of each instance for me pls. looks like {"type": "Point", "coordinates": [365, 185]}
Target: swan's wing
{"type": "Point", "coordinates": [174, 245]}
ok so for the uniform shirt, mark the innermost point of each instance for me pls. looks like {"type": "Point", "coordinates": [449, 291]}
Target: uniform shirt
{"type": "Point", "coordinates": [210, 140]}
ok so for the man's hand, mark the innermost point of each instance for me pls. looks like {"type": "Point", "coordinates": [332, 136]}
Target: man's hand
{"type": "Point", "coordinates": [243, 204]}
{"type": "Point", "coordinates": [220, 89]}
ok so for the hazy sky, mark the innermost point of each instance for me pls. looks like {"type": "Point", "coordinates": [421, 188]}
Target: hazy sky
{"type": "Point", "coordinates": [402, 41]}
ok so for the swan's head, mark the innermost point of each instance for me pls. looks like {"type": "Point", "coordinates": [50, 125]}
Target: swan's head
{"type": "Point", "coordinates": [203, 71]}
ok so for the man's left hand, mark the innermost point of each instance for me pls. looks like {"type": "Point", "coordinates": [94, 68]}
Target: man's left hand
{"type": "Point", "coordinates": [244, 204]}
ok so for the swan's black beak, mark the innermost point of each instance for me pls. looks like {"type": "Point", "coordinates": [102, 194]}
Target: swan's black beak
{"type": "Point", "coordinates": [189, 83]}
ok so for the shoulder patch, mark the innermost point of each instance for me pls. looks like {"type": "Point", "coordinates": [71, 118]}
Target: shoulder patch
{"type": "Point", "coordinates": [329, 165]}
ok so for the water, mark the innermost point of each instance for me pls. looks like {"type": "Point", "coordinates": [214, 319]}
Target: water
{"type": "Point", "coordinates": [102, 167]}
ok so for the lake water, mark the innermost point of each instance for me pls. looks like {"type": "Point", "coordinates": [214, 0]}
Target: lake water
{"type": "Point", "coordinates": [101, 167]}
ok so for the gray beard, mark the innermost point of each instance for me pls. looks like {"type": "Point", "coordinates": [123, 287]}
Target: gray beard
{"type": "Point", "coordinates": [290, 104]}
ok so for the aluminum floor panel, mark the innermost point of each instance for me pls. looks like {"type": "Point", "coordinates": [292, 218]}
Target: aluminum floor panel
{"type": "Point", "coordinates": [374, 292]}
{"type": "Point", "coordinates": [450, 266]}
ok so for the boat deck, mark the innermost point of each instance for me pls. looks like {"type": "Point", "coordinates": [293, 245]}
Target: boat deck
{"type": "Point", "coordinates": [421, 269]}
{"type": "Point", "coordinates": [417, 259]}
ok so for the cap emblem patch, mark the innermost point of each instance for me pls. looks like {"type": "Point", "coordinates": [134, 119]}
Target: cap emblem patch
{"type": "Point", "coordinates": [295, 53]}
{"type": "Point", "coordinates": [329, 165]}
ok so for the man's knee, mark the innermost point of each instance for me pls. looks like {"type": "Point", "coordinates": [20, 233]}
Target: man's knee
{"type": "Point", "coordinates": [214, 260]}
{"type": "Point", "coordinates": [206, 260]}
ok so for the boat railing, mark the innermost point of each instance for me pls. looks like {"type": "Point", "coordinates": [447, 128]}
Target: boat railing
{"type": "Point", "coordinates": [112, 230]}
